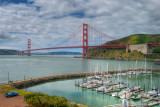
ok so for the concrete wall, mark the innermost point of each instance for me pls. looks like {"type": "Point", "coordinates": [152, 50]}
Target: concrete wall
{"type": "Point", "coordinates": [144, 48]}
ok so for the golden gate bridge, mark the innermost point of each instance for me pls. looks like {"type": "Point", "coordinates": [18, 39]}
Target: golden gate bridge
{"type": "Point", "coordinates": [85, 37]}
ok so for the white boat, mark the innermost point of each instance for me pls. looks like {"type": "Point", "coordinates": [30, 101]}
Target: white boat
{"type": "Point", "coordinates": [101, 88]}
{"type": "Point", "coordinates": [106, 90]}
{"type": "Point", "coordinates": [93, 81]}
{"type": "Point", "coordinates": [152, 92]}
{"type": "Point", "coordinates": [109, 83]}
{"type": "Point", "coordinates": [115, 94]}
{"type": "Point", "coordinates": [123, 92]}
{"type": "Point", "coordinates": [91, 86]}
{"type": "Point", "coordinates": [137, 88]}
{"type": "Point", "coordinates": [131, 72]}
{"type": "Point", "coordinates": [84, 84]}
{"type": "Point", "coordinates": [100, 82]}
{"type": "Point", "coordinates": [134, 88]}
{"type": "Point", "coordinates": [126, 95]}
{"type": "Point", "coordinates": [120, 85]}
{"type": "Point", "coordinates": [97, 77]}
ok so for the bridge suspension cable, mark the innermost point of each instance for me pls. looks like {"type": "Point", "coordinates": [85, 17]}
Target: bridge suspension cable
{"type": "Point", "coordinates": [85, 37]}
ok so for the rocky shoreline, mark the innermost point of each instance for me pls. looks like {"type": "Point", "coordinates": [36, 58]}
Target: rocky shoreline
{"type": "Point", "coordinates": [38, 80]}
{"type": "Point", "coordinates": [156, 60]}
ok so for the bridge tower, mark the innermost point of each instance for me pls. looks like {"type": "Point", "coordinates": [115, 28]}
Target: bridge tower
{"type": "Point", "coordinates": [29, 47]}
{"type": "Point", "coordinates": [85, 39]}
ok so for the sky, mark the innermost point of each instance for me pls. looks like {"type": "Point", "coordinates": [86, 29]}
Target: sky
{"type": "Point", "coordinates": [46, 22]}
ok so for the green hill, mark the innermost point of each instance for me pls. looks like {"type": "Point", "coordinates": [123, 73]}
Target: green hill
{"type": "Point", "coordinates": [137, 39]}
{"type": "Point", "coordinates": [121, 53]}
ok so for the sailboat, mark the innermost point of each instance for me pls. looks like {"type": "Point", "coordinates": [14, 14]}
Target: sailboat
{"type": "Point", "coordinates": [126, 95]}
{"type": "Point", "coordinates": [149, 72]}
{"type": "Point", "coordinates": [145, 70]}
{"type": "Point", "coordinates": [107, 75]}
{"type": "Point", "coordinates": [136, 96]}
{"type": "Point", "coordinates": [153, 91]}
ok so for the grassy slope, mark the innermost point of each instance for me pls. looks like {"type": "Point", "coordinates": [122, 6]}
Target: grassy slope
{"type": "Point", "coordinates": [5, 88]}
{"type": "Point", "coordinates": [132, 39]}
{"type": "Point", "coordinates": [138, 39]}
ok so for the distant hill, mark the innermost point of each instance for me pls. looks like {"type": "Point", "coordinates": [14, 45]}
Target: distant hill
{"type": "Point", "coordinates": [58, 53]}
{"type": "Point", "coordinates": [137, 39]}
{"type": "Point", "coordinates": [64, 53]}
{"type": "Point", "coordinates": [14, 52]}
{"type": "Point", "coordinates": [8, 52]}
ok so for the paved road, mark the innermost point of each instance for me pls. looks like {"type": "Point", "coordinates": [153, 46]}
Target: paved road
{"type": "Point", "coordinates": [17, 101]}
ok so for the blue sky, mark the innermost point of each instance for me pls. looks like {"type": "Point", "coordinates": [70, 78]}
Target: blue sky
{"type": "Point", "coordinates": [46, 22]}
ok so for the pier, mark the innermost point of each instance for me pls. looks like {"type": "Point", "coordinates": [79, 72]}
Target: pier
{"type": "Point", "coordinates": [37, 80]}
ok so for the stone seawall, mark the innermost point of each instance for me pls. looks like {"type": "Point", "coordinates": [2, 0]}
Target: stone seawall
{"type": "Point", "coordinates": [33, 81]}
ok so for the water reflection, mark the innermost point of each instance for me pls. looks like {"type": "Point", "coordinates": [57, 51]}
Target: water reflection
{"type": "Point", "coordinates": [91, 98]}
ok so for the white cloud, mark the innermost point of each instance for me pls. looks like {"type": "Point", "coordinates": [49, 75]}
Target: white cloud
{"type": "Point", "coordinates": [48, 22]}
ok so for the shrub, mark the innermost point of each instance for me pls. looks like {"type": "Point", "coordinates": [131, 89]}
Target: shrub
{"type": "Point", "coordinates": [44, 100]}
{"type": "Point", "coordinates": [156, 50]}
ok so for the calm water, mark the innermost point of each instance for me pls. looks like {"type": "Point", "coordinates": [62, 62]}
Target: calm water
{"type": "Point", "coordinates": [67, 89]}
{"type": "Point", "coordinates": [35, 66]}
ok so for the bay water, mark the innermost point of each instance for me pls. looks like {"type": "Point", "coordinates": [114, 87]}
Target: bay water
{"type": "Point", "coordinates": [20, 67]}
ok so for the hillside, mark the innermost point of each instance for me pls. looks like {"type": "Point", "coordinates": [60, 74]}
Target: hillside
{"type": "Point", "coordinates": [121, 53]}
{"type": "Point", "coordinates": [8, 52]}
{"type": "Point", "coordinates": [137, 39]}
{"type": "Point", "coordinates": [58, 53]}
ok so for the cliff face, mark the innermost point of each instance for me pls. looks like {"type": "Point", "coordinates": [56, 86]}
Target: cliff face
{"type": "Point", "coordinates": [121, 53]}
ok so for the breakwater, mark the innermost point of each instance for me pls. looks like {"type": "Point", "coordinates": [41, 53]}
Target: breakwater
{"type": "Point", "coordinates": [33, 81]}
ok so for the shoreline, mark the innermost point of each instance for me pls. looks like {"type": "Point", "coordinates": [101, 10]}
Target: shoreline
{"type": "Point", "coordinates": [155, 60]}
{"type": "Point", "coordinates": [18, 85]}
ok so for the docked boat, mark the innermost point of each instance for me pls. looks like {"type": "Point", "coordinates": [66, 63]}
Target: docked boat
{"type": "Point", "coordinates": [91, 86]}
{"type": "Point", "coordinates": [116, 94]}
{"type": "Point", "coordinates": [94, 81]}
{"type": "Point", "coordinates": [152, 92]}
{"type": "Point", "coordinates": [131, 72]}
{"type": "Point", "coordinates": [108, 89]}
{"type": "Point", "coordinates": [136, 96]}
{"type": "Point", "coordinates": [120, 85]}
{"type": "Point", "coordinates": [134, 88]}
{"type": "Point", "coordinates": [126, 95]}
{"type": "Point", "coordinates": [84, 84]}
{"type": "Point", "coordinates": [107, 76]}
{"type": "Point", "coordinates": [101, 88]}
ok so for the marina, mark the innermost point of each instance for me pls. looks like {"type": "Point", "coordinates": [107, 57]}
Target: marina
{"type": "Point", "coordinates": [120, 87]}
{"type": "Point", "coordinates": [121, 90]}
{"type": "Point", "coordinates": [119, 76]}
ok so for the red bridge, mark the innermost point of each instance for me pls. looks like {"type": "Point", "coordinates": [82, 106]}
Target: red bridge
{"type": "Point", "coordinates": [84, 37]}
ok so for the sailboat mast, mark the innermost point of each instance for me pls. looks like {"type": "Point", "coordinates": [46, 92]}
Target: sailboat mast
{"type": "Point", "coordinates": [145, 64]}
{"type": "Point", "coordinates": [107, 71]}
{"type": "Point", "coordinates": [151, 77]}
